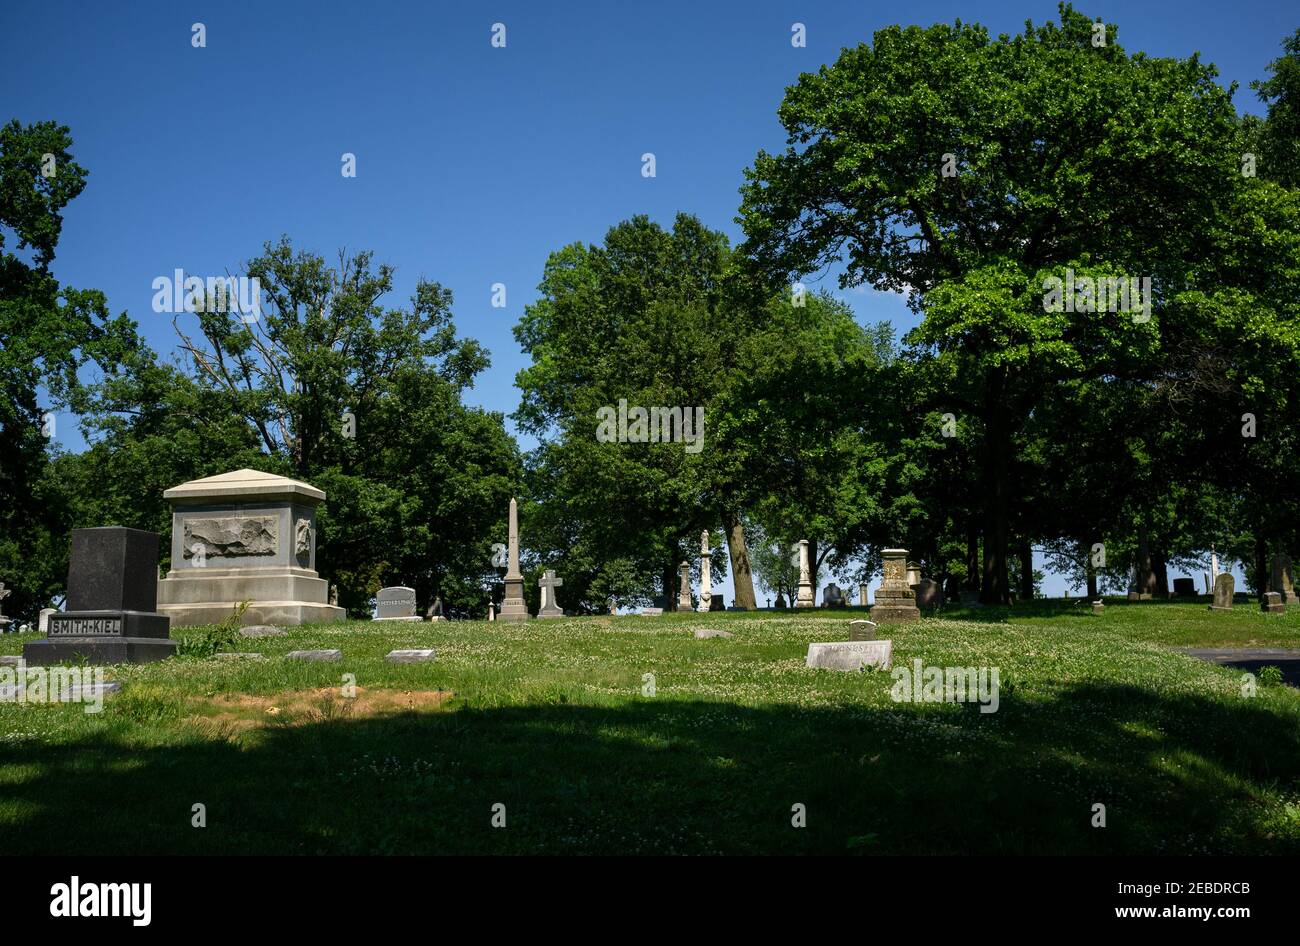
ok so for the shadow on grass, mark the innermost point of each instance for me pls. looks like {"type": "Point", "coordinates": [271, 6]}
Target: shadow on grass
{"type": "Point", "coordinates": [1184, 775]}
{"type": "Point", "coordinates": [1051, 608]}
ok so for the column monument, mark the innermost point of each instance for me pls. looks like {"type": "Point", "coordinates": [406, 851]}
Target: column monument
{"type": "Point", "coordinates": [706, 576]}
{"type": "Point", "coordinates": [805, 598]}
{"type": "Point", "coordinates": [513, 607]}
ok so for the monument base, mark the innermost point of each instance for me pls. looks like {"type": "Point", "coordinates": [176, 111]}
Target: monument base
{"type": "Point", "coordinates": [107, 624]}
{"type": "Point", "coordinates": [896, 614]}
{"type": "Point", "coordinates": [278, 613]}
{"type": "Point", "coordinates": [805, 596]}
{"type": "Point", "coordinates": [412, 617]}
{"type": "Point", "coordinates": [98, 650]}
{"type": "Point", "coordinates": [513, 607]}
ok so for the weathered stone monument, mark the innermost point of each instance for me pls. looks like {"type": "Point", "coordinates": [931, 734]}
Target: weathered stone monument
{"type": "Point", "coordinates": [913, 574]}
{"type": "Point", "coordinates": [894, 599]}
{"type": "Point", "coordinates": [928, 594]}
{"type": "Point", "coordinates": [512, 606]}
{"type": "Point", "coordinates": [244, 536]}
{"type": "Point", "coordinates": [1272, 603]}
{"type": "Point", "coordinates": [43, 623]}
{"type": "Point", "coordinates": [706, 574]}
{"type": "Point", "coordinates": [805, 598]}
{"type": "Point", "coordinates": [833, 597]}
{"type": "Point", "coordinates": [684, 592]}
{"type": "Point", "coordinates": [863, 601]}
{"type": "Point", "coordinates": [4, 621]}
{"type": "Point", "coordinates": [1224, 586]}
{"type": "Point", "coordinates": [112, 614]}
{"type": "Point", "coordinates": [396, 604]}
{"type": "Point", "coordinates": [547, 585]}
{"type": "Point", "coordinates": [780, 602]}
{"type": "Point", "coordinates": [851, 655]}
{"type": "Point", "coordinates": [861, 630]}
{"type": "Point", "coordinates": [1099, 607]}
{"type": "Point", "coordinates": [1280, 579]}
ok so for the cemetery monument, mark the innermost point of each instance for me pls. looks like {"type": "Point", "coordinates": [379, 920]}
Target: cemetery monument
{"type": "Point", "coordinates": [112, 614]}
{"type": "Point", "coordinates": [894, 599]}
{"type": "Point", "coordinates": [512, 606]}
{"type": "Point", "coordinates": [244, 536]}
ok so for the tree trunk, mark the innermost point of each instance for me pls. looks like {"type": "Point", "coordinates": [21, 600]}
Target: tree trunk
{"type": "Point", "coordinates": [1161, 566]}
{"type": "Point", "coordinates": [1089, 570]}
{"type": "Point", "coordinates": [972, 557]}
{"type": "Point", "coordinates": [1026, 570]}
{"type": "Point", "coordinates": [671, 582]}
{"type": "Point", "coordinates": [1263, 574]}
{"type": "Point", "coordinates": [742, 576]}
{"type": "Point", "coordinates": [1146, 576]}
{"type": "Point", "coordinates": [997, 491]}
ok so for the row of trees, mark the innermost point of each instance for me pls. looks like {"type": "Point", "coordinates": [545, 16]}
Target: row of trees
{"type": "Point", "coordinates": [960, 169]}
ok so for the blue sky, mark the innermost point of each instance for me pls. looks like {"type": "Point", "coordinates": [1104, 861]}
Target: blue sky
{"type": "Point", "coordinates": [473, 163]}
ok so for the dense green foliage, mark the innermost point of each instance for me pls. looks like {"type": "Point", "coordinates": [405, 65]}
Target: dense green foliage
{"type": "Point", "coordinates": [965, 170]}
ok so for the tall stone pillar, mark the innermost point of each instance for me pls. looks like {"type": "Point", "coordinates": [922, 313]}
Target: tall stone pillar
{"type": "Point", "coordinates": [513, 607]}
{"type": "Point", "coordinates": [805, 598]}
{"type": "Point", "coordinates": [706, 576]}
{"type": "Point", "coordinates": [684, 594]}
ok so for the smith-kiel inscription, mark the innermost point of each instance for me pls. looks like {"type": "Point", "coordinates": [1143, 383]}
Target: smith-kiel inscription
{"type": "Point", "coordinates": [84, 627]}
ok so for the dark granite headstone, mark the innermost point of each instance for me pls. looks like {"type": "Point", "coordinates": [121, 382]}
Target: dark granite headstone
{"type": "Point", "coordinates": [716, 603]}
{"type": "Point", "coordinates": [833, 597]}
{"type": "Point", "coordinates": [112, 597]}
{"type": "Point", "coordinates": [1184, 588]}
{"type": "Point", "coordinates": [928, 593]}
{"type": "Point", "coordinates": [113, 569]}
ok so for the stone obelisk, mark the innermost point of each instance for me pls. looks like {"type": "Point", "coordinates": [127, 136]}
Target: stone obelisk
{"type": "Point", "coordinates": [513, 607]}
{"type": "Point", "coordinates": [805, 599]}
{"type": "Point", "coordinates": [684, 594]}
{"type": "Point", "coordinates": [706, 577]}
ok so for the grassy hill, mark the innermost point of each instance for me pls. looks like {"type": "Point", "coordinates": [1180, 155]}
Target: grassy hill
{"type": "Point", "coordinates": [555, 720]}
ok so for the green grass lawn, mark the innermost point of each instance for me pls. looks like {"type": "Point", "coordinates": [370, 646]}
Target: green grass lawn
{"type": "Point", "coordinates": [550, 720]}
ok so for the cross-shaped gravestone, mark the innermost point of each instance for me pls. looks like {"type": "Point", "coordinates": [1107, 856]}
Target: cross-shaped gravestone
{"type": "Point", "coordinates": [548, 583]}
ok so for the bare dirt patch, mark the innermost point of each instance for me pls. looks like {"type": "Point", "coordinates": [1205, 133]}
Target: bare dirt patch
{"type": "Point", "coordinates": [240, 712]}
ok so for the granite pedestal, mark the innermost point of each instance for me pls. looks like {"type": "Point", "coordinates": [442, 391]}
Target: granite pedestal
{"type": "Point", "coordinates": [112, 596]}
